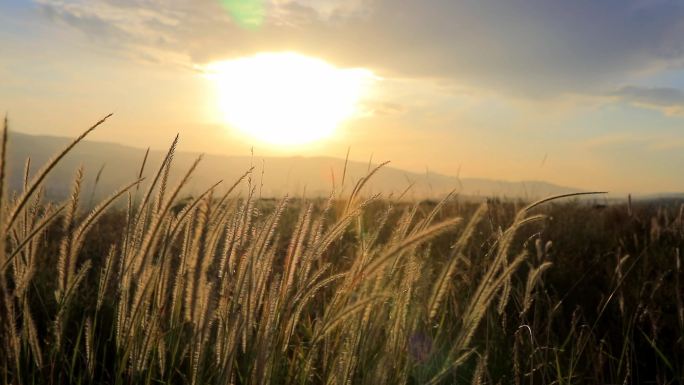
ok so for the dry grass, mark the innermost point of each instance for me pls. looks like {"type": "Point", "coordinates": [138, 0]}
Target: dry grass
{"type": "Point", "coordinates": [222, 289]}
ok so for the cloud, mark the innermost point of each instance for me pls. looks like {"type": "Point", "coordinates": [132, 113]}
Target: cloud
{"type": "Point", "coordinates": [647, 143]}
{"type": "Point", "coordinates": [382, 108]}
{"type": "Point", "coordinates": [667, 99]}
{"type": "Point", "coordinates": [90, 23]}
{"type": "Point", "coordinates": [616, 140]}
{"type": "Point", "coordinates": [531, 48]}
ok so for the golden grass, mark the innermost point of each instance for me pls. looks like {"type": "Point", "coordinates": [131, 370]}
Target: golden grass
{"type": "Point", "coordinates": [216, 292]}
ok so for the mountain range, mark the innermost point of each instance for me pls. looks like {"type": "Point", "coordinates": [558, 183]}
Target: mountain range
{"type": "Point", "coordinates": [272, 176]}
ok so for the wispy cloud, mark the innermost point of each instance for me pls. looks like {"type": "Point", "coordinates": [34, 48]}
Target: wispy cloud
{"type": "Point", "coordinates": [378, 107]}
{"type": "Point", "coordinates": [532, 48]}
{"type": "Point", "coordinates": [616, 140]}
{"type": "Point", "coordinates": [667, 99]}
{"type": "Point", "coordinates": [654, 142]}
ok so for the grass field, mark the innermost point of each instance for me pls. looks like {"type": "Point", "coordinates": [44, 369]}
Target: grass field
{"type": "Point", "coordinates": [149, 287]}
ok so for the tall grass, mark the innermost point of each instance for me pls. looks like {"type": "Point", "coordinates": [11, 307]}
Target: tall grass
{"type": "Point", "coordinates": [223, 288]}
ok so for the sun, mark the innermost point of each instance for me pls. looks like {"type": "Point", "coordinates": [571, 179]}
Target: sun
{"type": "Point", "coordinates": [286, 99]}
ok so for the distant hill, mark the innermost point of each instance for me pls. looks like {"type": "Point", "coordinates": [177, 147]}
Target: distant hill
{"type": "Point", "coordinates": [295, 176]}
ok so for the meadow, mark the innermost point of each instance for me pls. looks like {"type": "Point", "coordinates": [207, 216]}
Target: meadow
{"type": "Point", "coordinates": [152, 287]}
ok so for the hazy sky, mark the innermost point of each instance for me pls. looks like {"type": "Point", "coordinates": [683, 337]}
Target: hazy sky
{"type": "Point", "coordinates": [583, 93]}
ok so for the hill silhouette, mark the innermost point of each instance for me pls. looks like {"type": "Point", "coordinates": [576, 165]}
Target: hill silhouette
{"type": "Point", "coordinates": [272, 176]}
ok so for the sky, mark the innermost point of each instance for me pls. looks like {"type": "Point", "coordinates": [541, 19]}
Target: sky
{"type": "Point", "coordinates": [587, 94]}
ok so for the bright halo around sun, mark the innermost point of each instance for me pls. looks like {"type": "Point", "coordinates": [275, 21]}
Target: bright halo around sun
{"type": "Point", "coordinates": [287, 99]}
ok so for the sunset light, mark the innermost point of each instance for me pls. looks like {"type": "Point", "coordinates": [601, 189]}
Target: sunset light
{"type": "Point", "coordinates": [325, 192]}
{"type": "Point", "coordinates": [286, 98]}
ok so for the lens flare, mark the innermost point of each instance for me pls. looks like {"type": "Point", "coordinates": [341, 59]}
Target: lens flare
{"type": "Point", "coordinates": [246, 13]}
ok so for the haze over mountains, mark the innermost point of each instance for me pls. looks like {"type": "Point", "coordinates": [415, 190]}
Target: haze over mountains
{"type": "Point", "coordinates": [272, 176]}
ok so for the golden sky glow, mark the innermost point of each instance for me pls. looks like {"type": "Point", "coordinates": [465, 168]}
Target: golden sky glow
{"type": "Point", "coordinates": [583, 94]}
{"type": "Point", "coordinates": [286, 98]}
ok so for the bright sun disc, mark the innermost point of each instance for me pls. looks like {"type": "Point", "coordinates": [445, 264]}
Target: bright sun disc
{"type": "Point", "coordinates": [286, 98]}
